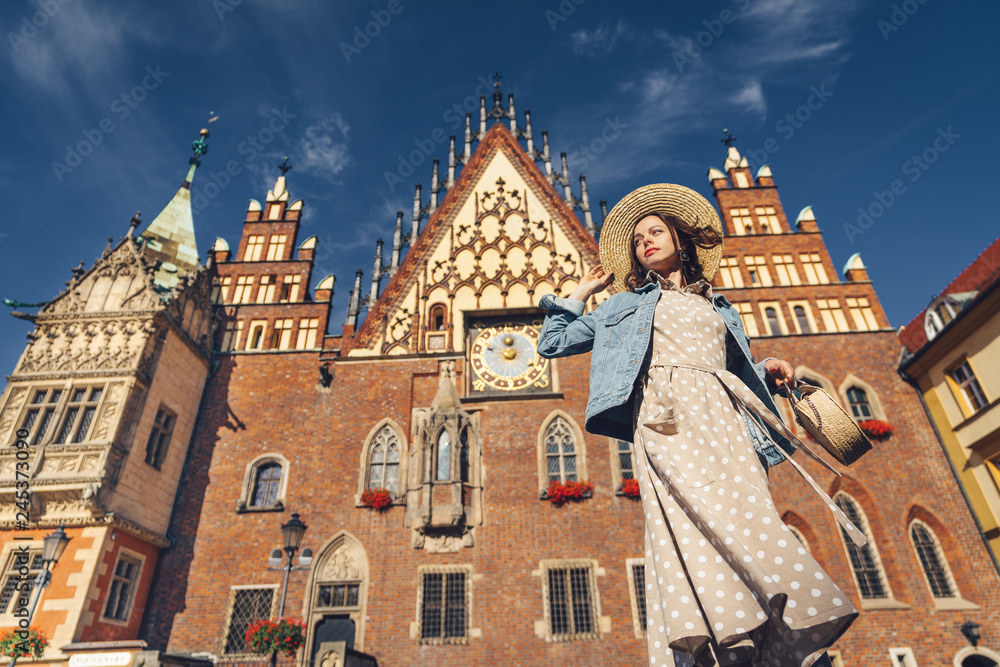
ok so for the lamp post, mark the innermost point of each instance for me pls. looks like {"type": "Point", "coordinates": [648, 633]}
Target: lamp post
{"type": "Point", "coordinates": [291, 538]}
{"type": "Point", "coordinates": [54, 545]}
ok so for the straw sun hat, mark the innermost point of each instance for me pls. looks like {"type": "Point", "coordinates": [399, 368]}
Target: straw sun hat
{"type": "Point", "coordinates": [667, 198]}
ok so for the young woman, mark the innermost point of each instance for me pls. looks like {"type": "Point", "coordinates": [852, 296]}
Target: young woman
{"type": "Point", "coordinates": [727, 583]}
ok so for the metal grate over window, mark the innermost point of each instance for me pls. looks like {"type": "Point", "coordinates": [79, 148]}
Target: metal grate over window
{"type": "Point", "coordinates": [249, 604]}
{"type": "Point", "coordinates": [932, 562]}
{"type": "Point", "coordinates": [122, 588]}
{"type": "Point", "coordinates": [571, 612]}
{"type": "Point", "coordinates": [443, 609]}
{"type": "Point", "coordinates": [625, 459]}
{"type": "Point", "coordinates": [863, 559]}
{"type": "Point", "coordinates": [639, 577]}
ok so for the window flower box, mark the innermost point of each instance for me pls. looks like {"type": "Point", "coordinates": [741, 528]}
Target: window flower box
{"type": "Point", "coordinates": [17, 643]}
{"type": "Point", "coordinates": [378, 499]}
{"type": "Point", "coordinates": [877, 429]}
{"type": "Point", "coordinates": [560, 493]}
{"type": "Point", "coordinates": [630, 488]}
{"type": "Point", "coordinates": [267, 637]}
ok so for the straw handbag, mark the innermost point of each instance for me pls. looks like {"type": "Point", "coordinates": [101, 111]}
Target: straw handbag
{"type": "Point", "coordinates": [823, 418]}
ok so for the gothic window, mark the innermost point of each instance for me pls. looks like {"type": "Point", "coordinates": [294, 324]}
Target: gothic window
{"type": "Point", "coordinates": [799, 536]}
{"type": "Point", "coordinates": [255, 341]}
{"type": "Point", "coordinates": [771, 313]}
{"type": "Point", "coordinates": [860, 407]}
{"type": "Point", "coordinates": [443, 472]}
{"type": "Point", "coordinates": [444, 603]}
{"type": "Point", "coordinates": [636, 571]}
{"type": "Point", "coordinates": [254, 246]}
{"type": "Point", "coordinates": [124, 580]}
{"type": "Point", "coordinates": [622, 463]}
{"type": "Point", "coordinates": [802, 318]}
{"type": "Point", "coordinates": [40, 414]}
{"type": "Point", "coordinates": [266, 484]}
{"type": "Point", "coordinates": [437, 318]}
{"type": "Point", "coordinates": [383, 467]}
{"type": "Point", "coordinates": [276, 248]}
{"type": "Point", "coordinates": [560, 451]}
{"type": "Point", "coordinates": [569, 591]}
{"type": "Point", "coordinates": [245, 606]}
{"type": "Point", "coordinates": [965, 383]}
{"type": "Point", "coordinates": [20, 567]}
{"type": "Point", "coordinates": [80, 412]}
{"type": "Point", "coordinates": [865, 563]}
{"type": "Point", "coordinates": [307, 334]}
{"type": "Point", "coordinates": [159, 437]}
{"type": "Point", "coordinates": [932, 561]}
{"type": "Point", "coordinates": [463, 456]}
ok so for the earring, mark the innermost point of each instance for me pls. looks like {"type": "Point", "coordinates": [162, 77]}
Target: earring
{"type": "Point", "coordinates": [684, 256]}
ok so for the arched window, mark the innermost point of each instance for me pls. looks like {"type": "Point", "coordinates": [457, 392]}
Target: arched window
{"type": "Point", "coordinates": [941, 311]}
{"type": "Point", "coordinates": [932, 561]}
{"type": "Point", "coordinates": [799, 536]}
{"type": "Point", "coordinates": [267, 481]}
{"type": "Point", "coordinates": [865, 562]}
{"type": "Point", "coordinates": [800, 317]}
{"type": "Point", "coordinates": [773, 323]}
{"type": "Point", "coordinates": [383, 466]}
{"type": "Point", "coordinates": [443, 457]}
{"type": "Point", "coordinates": [437, 318]}
{"type": "Point", "coordinates": [860, 407]}
{"type": "Point", "coordinates": [560, 451]}
{"type": "Point", "coordinates": [463, 456]}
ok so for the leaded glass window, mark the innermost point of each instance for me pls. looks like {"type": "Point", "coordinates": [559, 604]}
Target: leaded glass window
{"type": "Point", "coordinates": [266, 483]}
{"type": "Point", "coordinates": [864, 559]}
{"type": "Point", "coordinates": [932, 561]}
{"type": "Point", "coordinates": [560, 451]}
{"type": "Point", "coordinates": [383, 468]}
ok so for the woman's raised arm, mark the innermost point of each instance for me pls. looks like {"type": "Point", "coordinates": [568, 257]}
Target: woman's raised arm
{"type": "Point", "coordinates": [567, 330]}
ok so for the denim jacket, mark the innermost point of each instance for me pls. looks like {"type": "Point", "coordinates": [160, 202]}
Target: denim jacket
{"type": "Point", "coordinates": [620, 332]}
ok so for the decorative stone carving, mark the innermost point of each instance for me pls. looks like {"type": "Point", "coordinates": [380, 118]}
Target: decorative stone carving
{"type": "Point", "coordinates": [15, 402]}
{"type": "Point", "coordinates": [103, 431]}
{"type": "Point", "coordinates": [342, 564]}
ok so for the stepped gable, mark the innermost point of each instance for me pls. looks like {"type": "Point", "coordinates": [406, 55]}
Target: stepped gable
{"type": "Point", "coordinates": [497, 140]}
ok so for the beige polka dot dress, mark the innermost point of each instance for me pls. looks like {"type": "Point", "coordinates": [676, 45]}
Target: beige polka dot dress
{"type": "Point", "coordinates": [726, 581]}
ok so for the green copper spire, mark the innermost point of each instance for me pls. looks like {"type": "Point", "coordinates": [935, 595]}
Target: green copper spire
{"type": "Point", "coordinates": [169, 238]}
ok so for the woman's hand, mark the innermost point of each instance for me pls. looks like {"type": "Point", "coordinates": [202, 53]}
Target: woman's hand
{"type": "Point", "coordinates": [593, 283]}
{"type": "Point", "coordinates": [781, 371]}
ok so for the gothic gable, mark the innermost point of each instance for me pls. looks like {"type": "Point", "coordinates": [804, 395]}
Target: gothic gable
{"type": "Point", "coordinates": [501, 239]}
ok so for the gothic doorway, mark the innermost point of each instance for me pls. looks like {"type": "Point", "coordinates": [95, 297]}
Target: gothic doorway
{"type": "Point", "coordinates": [333, 628]}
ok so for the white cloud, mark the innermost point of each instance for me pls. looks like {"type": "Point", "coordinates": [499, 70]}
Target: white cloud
{"type": "Point", "coordinates": [598, 41]}
{"type": "Point", "coordinates": [323, 147]}
{"type": "Point", "coordinates": [750, 98]}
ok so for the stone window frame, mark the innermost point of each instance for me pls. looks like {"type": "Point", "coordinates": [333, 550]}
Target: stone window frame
{"type": "Point", "coordinates": [964, 405]}
{"type": "Point", "coordinates": [807, 307]}
{"type": "Point", "coordinates": [834, 320]}
{"type": "Point", "coordinates": [860, 310]}
{"type": "Point", "coordinates": [262, 341]}
{"type": "Point", "coordinates": [255, 245]}
{"type": "Point", "coordinates": [782, 325]}
{"type": "Point", "coordinates": [231, 607]}
{"type": "Point", "coordinates": [730, 272]}
{"type": "Point", "coordinates": [416, 626]}
{"type": "Point", "coordinates": [742, 222]}
{"type": "Point", "coordinates": [579, 445]}
{"type": "Point", "coordinates": [601, 624]}
{"type": "Point", "coordinates": [874, 402]}
{"type": "Point", "coordinates": [902, 656]}
{"type": "Point", "coordinates": [748, 318]}
{"type": "Point", "coordinates": [797, 534]}
{"type": "Point", "coordinates": [616, 467]}
{"type": "Point", "coordinates": [232, 336]}
{"type": "Point", "coordinates": [956, 601]}
{"type": "Point", "coordinates": [969, 651]}
{"type": "Point", "coordinates": [164, 433]}
{"type": "Point", "coordinates": [889, 601]}
{"type": "Point", "coordinates": [250, 480]}
{"type": "Point", "coordinates": [7, 558]}
{"type": "Point", "coordinates": [307, 329]}
{"type": "Point", "coordinates": [364, 463]}
{"type": "Point", "coordinates": [767, 219]}
{"type": "Point", "coordinates": [276, 247]}
{"type": "Point", "coordinates": [141, 560]}
{"type": "Point", "coordinates": [358, 614]}
{"type": "Point", "coordinates": [630, 565]}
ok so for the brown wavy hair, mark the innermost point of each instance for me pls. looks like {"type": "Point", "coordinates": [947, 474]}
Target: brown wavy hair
{"type": "Point", "coordinates": [688, 237]}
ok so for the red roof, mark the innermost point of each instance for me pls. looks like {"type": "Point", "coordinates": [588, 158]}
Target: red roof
{"type": "Point", "coordinates": [983, 271]}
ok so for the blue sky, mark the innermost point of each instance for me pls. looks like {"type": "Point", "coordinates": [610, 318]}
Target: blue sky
{"type": "Point", "coordinates": [136, 81]}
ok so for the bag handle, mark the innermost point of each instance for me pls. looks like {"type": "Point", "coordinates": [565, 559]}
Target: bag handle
{"type": "Point", "coordinates": [808, 401]}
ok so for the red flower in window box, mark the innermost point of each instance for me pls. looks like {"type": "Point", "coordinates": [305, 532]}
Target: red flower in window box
{"type": "Point", "coordinates": [267, 636]}
{"type": "Point", "coordinates": [18, 643]}
{"type": "Point", "coordinates": [378, 499]}
{"type": "Point", "coordinates": [630, 488]}
{"type": "Point", "coordinates": [877, 429]}
{"type": "Point", "coordinates": [560, 493]}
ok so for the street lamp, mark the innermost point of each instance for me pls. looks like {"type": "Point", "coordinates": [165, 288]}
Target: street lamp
{"type": "Point", "coordinates": [54, 545]}
{"type": "Point", "coordinates": [291, 538]}
{"type": "Point", "coordinates": [971, 631]}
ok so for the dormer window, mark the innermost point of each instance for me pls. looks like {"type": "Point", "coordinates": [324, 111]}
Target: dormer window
{"type": "Point", "coordinates": [941, 311]}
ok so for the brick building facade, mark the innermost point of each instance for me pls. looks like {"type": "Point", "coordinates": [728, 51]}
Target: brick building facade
{"type": "Point", "coordinates": [436, 394]}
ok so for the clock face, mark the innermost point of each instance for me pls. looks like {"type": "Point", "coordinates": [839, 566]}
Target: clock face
{"type": "Point", "coordinates": [504, 357]}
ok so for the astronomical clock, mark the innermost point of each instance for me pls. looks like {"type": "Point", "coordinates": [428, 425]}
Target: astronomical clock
{"type": "Point", "coordinates": [503, 356]}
